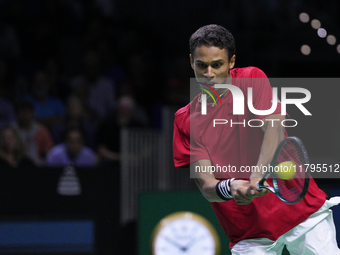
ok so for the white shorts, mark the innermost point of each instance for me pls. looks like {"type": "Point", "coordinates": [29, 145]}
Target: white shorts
{"type": "Point", "coordinates": [314, 236]}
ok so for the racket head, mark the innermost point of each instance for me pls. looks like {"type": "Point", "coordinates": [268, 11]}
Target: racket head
{"type": "Point", "coordinates": [293, 190]}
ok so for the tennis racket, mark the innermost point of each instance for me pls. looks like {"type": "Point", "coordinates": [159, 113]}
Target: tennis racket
{"type": "Point", "coordinates": [291, 190]}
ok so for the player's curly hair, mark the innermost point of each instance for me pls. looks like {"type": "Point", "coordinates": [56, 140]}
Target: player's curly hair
{"type": "Point", "coordinates": [213, 35]}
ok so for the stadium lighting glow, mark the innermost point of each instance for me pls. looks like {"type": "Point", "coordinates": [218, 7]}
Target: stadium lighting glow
{"type": "Point", "coordinates": [305, 49]}
{"type": "Point", "coordinates": [322, 32]}
{"type": "Point", "coordinates": [316, 24]}
{"type": "Point", "coordinates": [331, 39]}
{"type": "Point", "coordinates": [304, 17]}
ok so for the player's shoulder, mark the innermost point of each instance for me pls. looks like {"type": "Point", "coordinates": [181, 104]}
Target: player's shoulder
{"type": "Point", "coordinates": [248, 72]}
{"type": "Point", "coordinates": [183, 112]}
{"type": "Point", "coordinates": [182, 117]}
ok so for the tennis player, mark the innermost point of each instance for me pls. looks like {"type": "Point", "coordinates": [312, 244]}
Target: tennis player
{"type": "Point", "coordinates": [256, 222]}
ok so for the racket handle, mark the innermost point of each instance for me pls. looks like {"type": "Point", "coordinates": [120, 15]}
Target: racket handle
{"type": "Point", "coordinates": [258, 186]}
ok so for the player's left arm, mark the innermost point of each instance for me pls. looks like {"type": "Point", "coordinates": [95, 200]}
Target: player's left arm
{"type": "Point", "coordinates": [274, 133]}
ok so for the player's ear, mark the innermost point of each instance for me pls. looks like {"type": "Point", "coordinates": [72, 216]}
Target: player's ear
{"type": "Point", "coordinates": [232, 62]}
{"type": "Point", "coordinates": [191, 61]}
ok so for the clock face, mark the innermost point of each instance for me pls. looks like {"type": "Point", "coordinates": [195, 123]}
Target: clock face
{"type": "Point", "coordinates": [185, 233]}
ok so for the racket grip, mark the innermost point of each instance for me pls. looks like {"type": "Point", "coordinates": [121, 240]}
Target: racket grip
{"type": "Point", "coordinates": [258, 186]}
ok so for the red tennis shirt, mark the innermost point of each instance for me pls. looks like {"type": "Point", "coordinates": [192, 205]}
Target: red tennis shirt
{"type": "Point", "coordinates": [233, 144]}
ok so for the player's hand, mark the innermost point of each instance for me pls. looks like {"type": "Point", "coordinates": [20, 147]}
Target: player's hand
{"type": "Point", "coordinates": [238, 190]}
{"type": "Point", "coordinates": [252, 191]}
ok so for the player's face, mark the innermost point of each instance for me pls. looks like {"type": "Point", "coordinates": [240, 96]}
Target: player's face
{"type": "Point", "coordinates": [211, 65]}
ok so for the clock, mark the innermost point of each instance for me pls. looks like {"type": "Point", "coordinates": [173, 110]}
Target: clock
{"type": "Point", "coordinates": [185, 233]}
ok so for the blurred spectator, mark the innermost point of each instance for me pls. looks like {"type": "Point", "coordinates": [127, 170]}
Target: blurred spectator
{"type": "Point", "coordinates": [12, 152]}
{"type": "Point", "coordinates": [72, 152]}
{"type": "Point", "coordinates": [93, 88]}
{"type": "Point", "coordinates": [128, 115]}
{"type": "Point", "coordinates": [49, 110]}
{"type": "Point", "coordinates": [7, 113]}
{"type": "Point", "coordinates": [36, 138]}
{"type": "Point", "coordinates": [76, 115]}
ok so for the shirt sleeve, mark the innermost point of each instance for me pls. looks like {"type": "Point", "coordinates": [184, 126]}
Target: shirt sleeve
{"type": "Point", "coordinates": [181, 147]}
{"type": "Point", "coordinates": [197, 150]}
{"type": "Point", "coordinates": [186, 149]}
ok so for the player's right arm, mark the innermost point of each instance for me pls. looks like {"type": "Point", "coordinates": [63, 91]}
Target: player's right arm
{"type": "Point", "coordinates": [207, 182]}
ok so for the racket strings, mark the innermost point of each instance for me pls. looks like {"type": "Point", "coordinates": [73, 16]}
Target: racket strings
{"type": "Point", "coordinates": [292, 189]}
